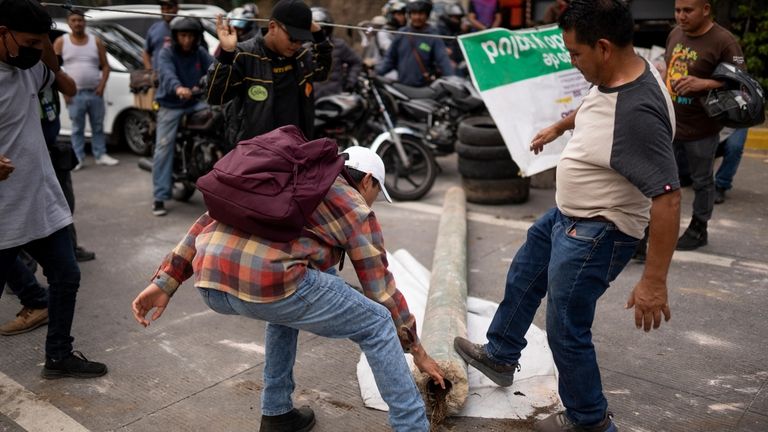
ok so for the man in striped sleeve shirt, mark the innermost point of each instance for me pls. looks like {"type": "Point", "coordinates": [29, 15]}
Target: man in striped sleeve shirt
{"type": "Point", "coordinates": [289, 286]}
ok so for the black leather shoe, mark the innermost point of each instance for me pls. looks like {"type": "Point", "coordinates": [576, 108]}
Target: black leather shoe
{"type": "Point", "coordinates": [295, 420]}
{"type": "Point", "coordinates": [719, 195]}
{"type": "Point", "coordinates": [694, 237]}
{"type": "Point", "coordinates": [475, 356]}
{"type": "Point", "coordinates": [559, 422]}
{"type": "Point", "coordinates": [82, 255]}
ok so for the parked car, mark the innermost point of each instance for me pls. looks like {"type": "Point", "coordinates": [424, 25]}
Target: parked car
{"type": "Point", "coordinates": [140, 23]}
{"type": "Point", "coordinates": [123, 124]}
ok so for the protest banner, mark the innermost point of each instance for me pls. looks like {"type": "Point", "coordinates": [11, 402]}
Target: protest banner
{"type": "Point", "coordinates": [527, 82]}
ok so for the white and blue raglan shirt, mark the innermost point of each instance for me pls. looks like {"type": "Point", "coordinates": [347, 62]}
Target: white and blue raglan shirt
{"type": "Point", "coordinates": [620, 155]}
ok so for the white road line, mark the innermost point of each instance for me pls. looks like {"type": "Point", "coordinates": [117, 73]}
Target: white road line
{"type": "Point", "coordinates": [679, 256]}
{"type": "Point", "coordinates": [31, 412]}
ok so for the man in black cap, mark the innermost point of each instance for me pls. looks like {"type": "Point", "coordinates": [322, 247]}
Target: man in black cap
{"type": "Point", "coordinates": [270, 77]}
{"type": "Point", "coordinates": [35, 212]}
{"type": "Point", "coordinates": [159, 34]}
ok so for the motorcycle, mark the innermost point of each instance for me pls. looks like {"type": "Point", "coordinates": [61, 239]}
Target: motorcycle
{"type": "Point", "coordinates": [366, 117]}
{"type": "Point", "coordinates": [434, 112]}
{"type": "Point", "coordinates": [199, 145]}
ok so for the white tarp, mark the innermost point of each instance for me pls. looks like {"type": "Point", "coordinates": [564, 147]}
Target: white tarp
{"type": "Point", "coordinates": [535, 385]}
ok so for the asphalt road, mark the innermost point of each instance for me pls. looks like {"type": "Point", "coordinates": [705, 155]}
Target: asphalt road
{"type": "Point", "coordinates": [194, 370]}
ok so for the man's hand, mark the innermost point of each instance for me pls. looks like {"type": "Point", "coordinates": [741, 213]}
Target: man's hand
{"type": "Point", "coordinates": [315, 27]}
{"type": "Point", "coordinates": [6, 168]}
{"type": "Point", "coordinates": [226, 33]}
{"type": "Point", "coordinates": [49, 56]}
{"type": "Point", "coordinates": [183, 93]}
{"type": "Point", "coordinates": [99, 90]}
{"type": "Point", "coordinates": [650, 301]}
{"type": "Point", "coordinates": [545, 136]}
{"type": "Point", "coordinates": [151, 297]}
{"type": "Point", "coordinates": [690, 84]}
{"type": "Point", "coordinates": [427, 365]}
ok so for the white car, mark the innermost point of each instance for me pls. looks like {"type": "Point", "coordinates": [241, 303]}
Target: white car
{"type": "Point", "coordinates": [123, 124]}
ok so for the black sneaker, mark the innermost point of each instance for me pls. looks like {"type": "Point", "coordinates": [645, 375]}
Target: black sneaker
{"type": "Point", "coordinates": [719, 195]}
{"type": "Point", "coordinates": [296, 420]}
{"type": "Point", "coordinates": [75, 366]}
{"type": "Point", "coordinates": [559, 422]}
{"type": "Point", "coordinates": [694, 237]}
{"type": "Point", "coordinates": [158, 209]}
{"type": "Point", "coordinates": [475, 356]}
{"type": "Point", "coordinates": [82, 255]}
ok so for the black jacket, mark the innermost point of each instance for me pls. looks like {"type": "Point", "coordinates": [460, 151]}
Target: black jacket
{"type": "Point", "coordinates": [245, 77]}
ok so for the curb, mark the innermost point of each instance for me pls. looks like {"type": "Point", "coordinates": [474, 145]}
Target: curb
{"type": "Point", "coordinates": [757, 139]}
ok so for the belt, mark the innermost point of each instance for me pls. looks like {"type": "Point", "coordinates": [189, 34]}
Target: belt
{"type": "Point", "coordinates": [593, 219]}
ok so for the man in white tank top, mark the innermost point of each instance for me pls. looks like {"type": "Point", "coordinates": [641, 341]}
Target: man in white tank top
{"type": "Point", "coordinates": [85, 60]}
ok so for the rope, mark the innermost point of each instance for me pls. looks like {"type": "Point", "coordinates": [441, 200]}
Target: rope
{"type": "Point", "coordinates": [367, 30]}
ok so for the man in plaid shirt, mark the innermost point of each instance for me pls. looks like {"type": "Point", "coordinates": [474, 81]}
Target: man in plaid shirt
{"type": "Point", "coordinates": [293, 286]}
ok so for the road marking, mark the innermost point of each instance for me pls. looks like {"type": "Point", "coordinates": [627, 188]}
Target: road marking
{"type": "Point", "coordinates": [31, 412]}
{"type": "Point", "coordinates": [679, 256]}
{"type": "Point", "coordinates": [247, 347]}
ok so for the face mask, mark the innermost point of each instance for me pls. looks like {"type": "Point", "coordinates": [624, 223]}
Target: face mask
{"type": "Point", "coordinates": [25, 59]}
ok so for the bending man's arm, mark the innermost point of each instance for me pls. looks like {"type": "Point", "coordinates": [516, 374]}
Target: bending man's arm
{"type": "Point", "coordinates": [551, 133]}
{"type": "Point", "coordinates": [649, 297]}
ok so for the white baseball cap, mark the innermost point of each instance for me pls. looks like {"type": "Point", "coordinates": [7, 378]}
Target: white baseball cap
{"type": "Point", "coordinates": [366, 160]}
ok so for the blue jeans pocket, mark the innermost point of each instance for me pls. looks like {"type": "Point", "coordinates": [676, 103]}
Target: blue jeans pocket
{"type": "Point", "coordinates": [217, 301]}
{"type": "Point", "coordinates": [586, 231]}
{"type": "Point", "coordinates": [622, 253]}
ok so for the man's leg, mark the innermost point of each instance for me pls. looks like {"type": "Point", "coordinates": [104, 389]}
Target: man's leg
{"type": "Point", "coordinates": [701, 159]}
{"type": "Point", "coordinates": [586, 257]}
{"type": "Point", "coordinates": [162, 160]}
{"type": "Point", "coordinates": [33, 297]}
{"type": "Point", "coordinates": [77, 109]}
{"type": "Point", "coordinates": [281, 344]}
{"type": "Point", "coordinates": [525, 287]}
{"type": "Point", "coordinates": [96, 113]}
{"type": "Point", "coordinates": [325, 305]}
{"type": "Point", "coordinates": [734, 148]}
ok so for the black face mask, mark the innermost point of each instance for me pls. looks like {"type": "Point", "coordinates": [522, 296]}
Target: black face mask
{"type": "Point", "coordinates": [26, 58]}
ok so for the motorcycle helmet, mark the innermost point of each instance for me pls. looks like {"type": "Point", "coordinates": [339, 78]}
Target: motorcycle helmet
{"type": "Point", "coordinates": [186, 24]}
{"type": "Point", "coordinates": [419, 6]}
{"type": "Point", "coordinates": [251, 8]}
{"type": "Point", "coordinates": [389, 10]}
{"type": "Point", "coordinates": [452, 15]}
{"type": "Point", "coordinates": [740, 103]}
{"type": "Point", "coordinates": [239, 18]}
{"type": "Point", "coordinates": [321, 16]}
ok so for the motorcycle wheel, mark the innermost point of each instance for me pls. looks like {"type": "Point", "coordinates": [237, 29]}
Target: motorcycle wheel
{"type": "Point", "coordinates": [137, 132]}
{"type": "Point", "coordinates": [183, 190]}
{"type": "Point", "coordinates": [408, 184]}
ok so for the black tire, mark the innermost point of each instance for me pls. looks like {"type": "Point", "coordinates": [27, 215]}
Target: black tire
{"type": "Point", "coordinates": [488, 169]}
{"type": "Point", "coordinates": [183, 190]}
{"type": "Point", "coordinates": [480, 131]}
{"type": "Point", "coordinates": [500, 191]}
{"type": "Point", "coordinates": [138, 131]}
{"type": "Point", "coordinates": [412, 183]}
{"type": "Point", "coordinates": [482, 152]}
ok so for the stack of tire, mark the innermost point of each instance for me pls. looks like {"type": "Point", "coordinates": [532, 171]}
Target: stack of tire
{"type": "Point", "coordinates": [489, 174]}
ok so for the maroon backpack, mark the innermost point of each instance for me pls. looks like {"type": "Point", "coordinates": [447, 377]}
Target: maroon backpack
{"type": "Point", "coordinates": [270, 185]}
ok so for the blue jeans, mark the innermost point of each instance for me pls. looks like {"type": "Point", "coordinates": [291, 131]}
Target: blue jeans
{"type": "Point", "coordinates": [57, 257]}
{"type": "Point", "coordinates": [87, 102]}
{"type": "Point", "coordinates": [572, 262]}
{"type": "Point", "coordinates": [162, 160]}
{"type": "Point", "coordinates": [733, 149]}
{"type": "Point", "coordinates": [22, 281]}
{"type": "Point", "coordinates": [325, 305]}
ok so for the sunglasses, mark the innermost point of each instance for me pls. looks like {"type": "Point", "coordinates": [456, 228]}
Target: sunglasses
{"type": "Point", "coordinates": [290, 39]}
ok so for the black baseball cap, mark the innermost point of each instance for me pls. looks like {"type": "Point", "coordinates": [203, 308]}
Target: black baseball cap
{"type": "Point", "coordinates": [168, 2]}
{"type": "Point", "coordinates": [296, 17]}
{"type": "Point", "coordinates": [26, 16]}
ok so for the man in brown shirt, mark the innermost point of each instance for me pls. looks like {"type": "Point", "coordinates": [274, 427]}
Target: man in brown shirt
{"type": "Point", "coordinates": [694, 48]}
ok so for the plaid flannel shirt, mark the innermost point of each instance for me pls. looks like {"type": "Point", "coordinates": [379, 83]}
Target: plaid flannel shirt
{"type": "Point", "coordinates": [257, 270]}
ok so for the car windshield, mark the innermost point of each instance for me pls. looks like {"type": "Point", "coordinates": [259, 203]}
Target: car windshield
{"type": "Point", "coordinates": [123, 44]}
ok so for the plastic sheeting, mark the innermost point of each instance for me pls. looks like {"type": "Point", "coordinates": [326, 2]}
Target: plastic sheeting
{"type": "Point", "coordinates": [534, 392]}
